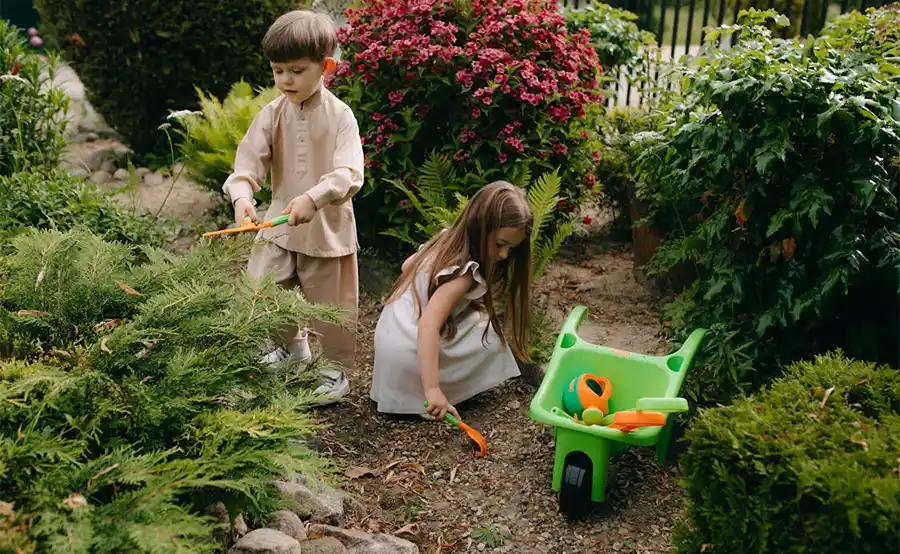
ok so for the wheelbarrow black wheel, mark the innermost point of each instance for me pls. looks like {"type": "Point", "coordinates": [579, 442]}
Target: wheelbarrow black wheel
{"type": "Point", "coordinates": [575, 491]}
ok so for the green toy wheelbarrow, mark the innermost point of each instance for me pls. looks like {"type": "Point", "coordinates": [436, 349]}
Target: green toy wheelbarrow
{"type": "Point", "coordinates": [639, 384]}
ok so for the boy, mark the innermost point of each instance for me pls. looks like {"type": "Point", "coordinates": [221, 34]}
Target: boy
{"type": "Point", "coordinates": [310, 141]}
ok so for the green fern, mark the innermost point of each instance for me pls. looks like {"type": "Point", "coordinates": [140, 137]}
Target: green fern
{"type": "Point", "coordinates": [437, 176]}
{"type": "Point", "coordinates": [211, 137]}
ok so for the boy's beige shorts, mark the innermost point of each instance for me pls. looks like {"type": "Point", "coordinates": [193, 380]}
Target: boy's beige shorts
{"type": "Point", "coordinates": [322, 280]}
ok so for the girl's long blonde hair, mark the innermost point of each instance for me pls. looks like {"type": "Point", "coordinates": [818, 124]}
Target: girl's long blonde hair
{"type": "Point", "coordinates": [496, 206]}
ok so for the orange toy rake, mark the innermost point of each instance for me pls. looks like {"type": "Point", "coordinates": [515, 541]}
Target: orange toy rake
{"type": "Point", "coordinates": [248, 225]}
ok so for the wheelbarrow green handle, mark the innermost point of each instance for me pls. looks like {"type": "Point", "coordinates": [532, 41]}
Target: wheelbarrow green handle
{"type": "Point", "coordinates": [662, 404]}
{"type": "Point", "coordinates": [573, 322]}
{"type": "Point", "coordinates": [690, 347]}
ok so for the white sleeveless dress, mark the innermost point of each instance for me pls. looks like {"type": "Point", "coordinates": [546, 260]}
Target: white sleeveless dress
{"type": "Point", "coordinates": [467, 365]}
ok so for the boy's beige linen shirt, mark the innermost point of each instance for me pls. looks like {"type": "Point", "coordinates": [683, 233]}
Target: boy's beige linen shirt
{"type": "Point", "coordinates": [313, 148]}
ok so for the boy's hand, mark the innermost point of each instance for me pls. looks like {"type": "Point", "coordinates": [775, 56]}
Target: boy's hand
{"type": "Point", "coordinates": [243, 208]}
{"type": "Point", "coordinates": [438, 406]}
{"type": "Point", "coordinates": [302, 210]}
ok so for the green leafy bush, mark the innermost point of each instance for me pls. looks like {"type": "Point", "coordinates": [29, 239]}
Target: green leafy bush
{"type": "Point", "coordinates": [141, 59]}
{"type": "Point", "coordinates": [212, 135]}
{"type": "Point", "coordinates": [58, 200]}
{"type": "Point", "coordinates": [501, 88]}
{"type": "Point", "coordinates": [614, 33]}
{"type": "Point", "coordinates": [773, 179]}
{"type": "Point", "coordinates": [440, 202]}
{"type": "Point", "coordinates": [619, 150]}
{"type": "Point", "coordinates": [32, 115]}
{"type": "Point", "coordinates": [140, 400]}
{"type": "Point", "coordinates": [810, 465]}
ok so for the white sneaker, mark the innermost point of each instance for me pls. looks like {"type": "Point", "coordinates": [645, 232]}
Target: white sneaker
{"type": "Point", "coordinates": [297, 349]}
{"type": "Point", "coordinates": [334, 386]}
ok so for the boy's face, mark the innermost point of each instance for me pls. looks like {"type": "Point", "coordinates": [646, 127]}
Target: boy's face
{"type": "Point", "coordinates": [299, 79]}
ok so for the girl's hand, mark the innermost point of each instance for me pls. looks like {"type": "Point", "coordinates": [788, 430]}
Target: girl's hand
{"type": "Point", "coordinates": [438, 406]}
{"type": "Point", "coordinates": [243, 208]}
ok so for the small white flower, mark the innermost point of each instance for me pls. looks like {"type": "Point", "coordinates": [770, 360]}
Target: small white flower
{"type": "Point", "coordinates": [182, 114]}
{"type": "Point", "coordinates": [4, 78]}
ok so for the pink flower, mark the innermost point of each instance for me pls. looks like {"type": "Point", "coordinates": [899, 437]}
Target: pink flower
{"type": "Point", "coordinates": [560, 149]}
{"type": "Point", "coordinates": [502, 157]}
{"type": "Point", "coordinates": [395, 97]}
{"type": "Point", "coordinates": [32, 32]}
{"type": "Point", "coordinates": [588, 220]}
{"type": "Point", "coordinates": [476, 113]}
{"type": "Point", "coordinates": [515, 143]}
{"type": "Point", "coordinates": [36, 41]}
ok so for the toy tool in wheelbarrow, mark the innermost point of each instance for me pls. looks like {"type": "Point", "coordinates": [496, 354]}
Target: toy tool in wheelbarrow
{"type": "Point", "coordinates": [248, 225]}
{"type": "Point", "coordinates": [602, 401]}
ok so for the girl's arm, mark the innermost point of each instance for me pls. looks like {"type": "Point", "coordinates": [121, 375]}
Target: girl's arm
{"type": "Point", "coordinates": [429, 341]}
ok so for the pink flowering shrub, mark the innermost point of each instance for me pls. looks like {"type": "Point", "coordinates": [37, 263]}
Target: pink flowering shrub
{"type": "Point", "coordinates": [501, 88]}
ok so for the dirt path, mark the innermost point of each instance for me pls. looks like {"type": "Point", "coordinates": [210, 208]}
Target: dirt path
{"type": "Point", "coordinates": [419, 480]}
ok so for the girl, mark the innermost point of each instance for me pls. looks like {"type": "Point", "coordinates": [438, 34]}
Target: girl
{"type": "Point", "coordinates": [439, 338]}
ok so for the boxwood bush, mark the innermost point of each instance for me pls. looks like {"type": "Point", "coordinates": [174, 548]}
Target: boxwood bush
{"type": "Point", "coordinates": [142, 58]}
{"type": "Point", "coordinates": [807, 466]}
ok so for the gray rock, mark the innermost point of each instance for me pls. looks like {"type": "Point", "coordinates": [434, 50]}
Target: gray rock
{"type": "Point", "coordinates": [101, 176]}
{"type": "Point", "coordinates": [121, 174]}
{"type": "Point", "coordinates": [265, 541]}
{"type": "Point", "coordinates": [358, 542]}
{"type": "Point", "coordinates": [80, 172]}
{"type": "Point", "coordinates": [313, 499]}
{"type": "Point", "coordinates": [141, 171]}
{"type": "Point", "coordinates": [108, 166]}
{"type": "Point", "coordinates": [154, 179]}
{"type": "Point", "coordinates": [288, 523]}
{"type": "Point", "coordinates": [325, 545]}
{"type": "Point", "coordinates": [105, 153]}
{"type": "Point", "coordinates": [220, 512]}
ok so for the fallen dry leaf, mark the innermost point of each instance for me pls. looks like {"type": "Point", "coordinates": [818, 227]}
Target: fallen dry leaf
{"type": "Point", "coordinates": [75, 501]}
{"type": "Point", "coordinates": [356, 472]}
{"type": "Point", "coordinates": [453, 473]}
{"type": "Point", "coordinates": [414, 466]}
{"type": "Point", "coordinates": [107, 325]}
{"type": "Point", "coordinates": [103, 347]}
{"type": "Point", "coordinates": [58, 352]}
{"type": "Point", "coordinates": [127, 289]}
{"type": "Point", "coordinates": [788, 247]}
{"type": "Point", "coordinates": [408, 528]}
{"type": "Point", "coordinates": [30, 313]}
{"type": "Point", "coordinates": [824, 400]}
{"type": "Point", "coordinates": [6, 509]}
{"type": "Point", "coordinates": [861, 442]}
{"type": "Point", "coordinates": [705, 547]}
{"type": "Point", "coordinates": [101, 474]}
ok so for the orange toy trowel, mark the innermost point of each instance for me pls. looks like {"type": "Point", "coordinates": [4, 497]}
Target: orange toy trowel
{"type": "Point", "coordinates": [248, 225]}
{"type": "Point", "coordinates": [473, 434]}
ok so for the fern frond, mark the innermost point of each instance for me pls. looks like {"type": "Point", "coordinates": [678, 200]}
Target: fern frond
{"type": "Point", "coordinates": [542, 197]}
{"type": "Point", "coordinates": [549, 247]}
{"type": "Point", "coordinates": [436, 176]}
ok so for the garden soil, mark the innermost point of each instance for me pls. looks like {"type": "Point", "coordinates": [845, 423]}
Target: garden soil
{"type": "Point", "coordinates": [420, 480]}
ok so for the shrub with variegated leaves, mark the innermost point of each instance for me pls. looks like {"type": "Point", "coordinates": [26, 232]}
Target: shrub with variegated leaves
{"type": "Point", "coordinates": [503, 89]}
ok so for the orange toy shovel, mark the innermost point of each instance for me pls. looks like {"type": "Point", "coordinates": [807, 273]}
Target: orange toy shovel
{"type": "Point", "coordinates": [473, 434]}
{"type": "Point", "coordinates": [248, 225]}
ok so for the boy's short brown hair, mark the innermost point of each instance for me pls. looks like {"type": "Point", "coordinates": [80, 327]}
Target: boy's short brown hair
{"type": "Point", "coordinates": [300, 34]}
